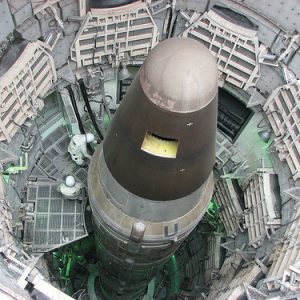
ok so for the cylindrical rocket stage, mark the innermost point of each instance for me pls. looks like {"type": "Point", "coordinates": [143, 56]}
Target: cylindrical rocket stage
{"type": "Point", "coordinates": [151, 179]}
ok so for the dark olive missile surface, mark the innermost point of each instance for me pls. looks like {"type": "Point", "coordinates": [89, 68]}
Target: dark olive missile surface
{"type": "Point", "coordinates": [151, 179]}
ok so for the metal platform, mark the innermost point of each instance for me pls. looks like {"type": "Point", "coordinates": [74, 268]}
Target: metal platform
{"type": "Point", "coordinates": [56, 221]}
{"type": "Point", "coordinates": [53, 221]}
{"type": "Point", "coordinates": [55, 162]}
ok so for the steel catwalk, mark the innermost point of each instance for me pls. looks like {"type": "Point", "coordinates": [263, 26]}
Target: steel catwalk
{"type": "Point", "coordinates": [151, 179]}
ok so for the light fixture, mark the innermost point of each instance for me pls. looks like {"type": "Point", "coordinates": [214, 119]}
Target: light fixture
{"type": "Point", "coordinates": [124, 73]}
{"type": "Point", "coordinates": [265, 135]}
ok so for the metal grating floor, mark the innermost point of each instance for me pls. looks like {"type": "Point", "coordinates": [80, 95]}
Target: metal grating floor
{"type": "Point", "coordinates": [81, 174]}
{"type": "Point", "coordinates": [57, 221]}
{"type": "Point", "coordinates": [55, 162]}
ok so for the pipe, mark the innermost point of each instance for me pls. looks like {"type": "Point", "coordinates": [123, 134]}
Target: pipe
{"type": "Point", "coordinates": [73, 101]}
{"type": "Point", "coordinates": [74, 104]}
{"type": "Point", "coordinates": [87, 103]}
{"type": "Point", "coordinates": [27, 147]}
{"type": "Point", "coordinates": [174, 276]}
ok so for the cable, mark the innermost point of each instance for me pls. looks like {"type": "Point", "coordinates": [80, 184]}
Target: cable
{"type": "Point", "coordinates": [105, 103]}
{"type": "Point", "coordinates": [74, 104]}
{"type": "Point", "coordinates": [174, 25]}
{"type": "Point", "coordinates": [95, 101]}
{"type": "Point", "coordinates": [263, 119]}
{"type": "Point", "coordinates": [80, 292]}
{"type": "Point", "coordinates": [95, 46]}
{"type": "Point", "coordinates": [90, 101]}
{"type": "Point", "coordinates": [86, 101]}
{"type": "Point", "coordinates": [73, 101]}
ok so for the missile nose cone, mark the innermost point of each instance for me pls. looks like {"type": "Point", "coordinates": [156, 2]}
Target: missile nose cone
{"type": "Point", "coordinates": [161, 142]}
{"type": "Point", "coordinates": [180, 75]}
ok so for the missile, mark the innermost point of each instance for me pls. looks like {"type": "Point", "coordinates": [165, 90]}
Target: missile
{"type": "Point", "coordinates": [151, 179]}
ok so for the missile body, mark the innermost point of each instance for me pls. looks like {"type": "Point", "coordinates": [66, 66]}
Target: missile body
{"type": "Point", "coordinates": [151, 179]}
